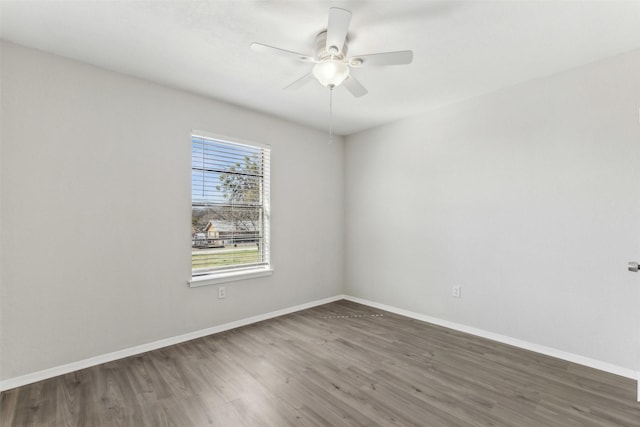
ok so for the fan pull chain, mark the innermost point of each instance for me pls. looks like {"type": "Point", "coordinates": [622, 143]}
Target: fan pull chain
{"type": "Point", "coordinates": [331, 113]}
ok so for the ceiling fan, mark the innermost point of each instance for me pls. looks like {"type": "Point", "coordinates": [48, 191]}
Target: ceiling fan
{"type": "Point", "coordinates": [331, 63]}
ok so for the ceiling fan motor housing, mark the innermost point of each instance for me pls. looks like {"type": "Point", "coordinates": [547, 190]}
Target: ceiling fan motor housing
{"type": "Point", "coordinates": [322, 52]}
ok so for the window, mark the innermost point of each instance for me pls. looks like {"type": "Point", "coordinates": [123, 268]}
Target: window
{"type": "Point", "coordinates": [229, 210]}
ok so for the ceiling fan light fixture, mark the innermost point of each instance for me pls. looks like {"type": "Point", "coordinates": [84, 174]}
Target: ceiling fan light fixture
{"type": "Point", "coordinates": [331, 72]}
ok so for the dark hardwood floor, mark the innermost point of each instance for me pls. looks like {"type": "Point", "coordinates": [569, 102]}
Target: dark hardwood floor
{"type": "Point", "coordinates": [341, 364]}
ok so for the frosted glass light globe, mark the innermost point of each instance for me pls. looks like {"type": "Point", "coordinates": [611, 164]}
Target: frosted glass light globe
{"type": "Point", "coordinates": [331, 72]}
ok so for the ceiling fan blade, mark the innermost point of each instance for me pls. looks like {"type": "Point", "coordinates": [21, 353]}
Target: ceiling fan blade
{"type": "Point", "coordinates": [300, 82]}
{"type": "Point", "coordinates": [401, 57]}
{"type": "Point", "coordinates": [337, 28]}
{"type": "Point", "coordinates": [263, 48]}
{"type": "Point", "coordinates": [354, 86]}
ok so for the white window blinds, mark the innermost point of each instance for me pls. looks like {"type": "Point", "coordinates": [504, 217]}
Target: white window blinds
{"type": "Point", "coordinates": [229, 205]}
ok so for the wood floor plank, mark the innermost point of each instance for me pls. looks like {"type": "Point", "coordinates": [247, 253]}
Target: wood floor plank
{"type": "Point", "coordinates": [341, 364]}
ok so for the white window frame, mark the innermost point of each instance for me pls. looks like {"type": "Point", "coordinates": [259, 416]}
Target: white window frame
{"type": "Point", "coordinates": [217, 277]}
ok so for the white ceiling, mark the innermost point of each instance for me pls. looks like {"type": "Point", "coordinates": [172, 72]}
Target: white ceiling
{"type": "Point", "coordinates": [461, 48]}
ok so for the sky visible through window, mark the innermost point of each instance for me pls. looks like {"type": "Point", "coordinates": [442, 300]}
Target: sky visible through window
{"type": "Point", "coordinates": [210, 159]}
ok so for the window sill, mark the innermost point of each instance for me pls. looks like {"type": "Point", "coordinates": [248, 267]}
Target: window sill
{"type": "Point", "coordinates": [229, 276]}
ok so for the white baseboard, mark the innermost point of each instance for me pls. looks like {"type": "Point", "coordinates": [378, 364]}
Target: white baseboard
{"type": "Point", "coordinates": [549, 351]}
{"type": "Point", "coordinates": [132, 351]}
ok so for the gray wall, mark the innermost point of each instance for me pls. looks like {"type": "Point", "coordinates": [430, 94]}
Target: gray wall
{"type": "Point", "coordinates": [96, 213]}
{"type": "Point", "coordinates": [527, 198]}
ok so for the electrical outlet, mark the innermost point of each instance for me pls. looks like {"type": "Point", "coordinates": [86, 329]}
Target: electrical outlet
{"type": "Point", "coordinates": [222, 292]}
{"type": "Point", "coordinates": [456, 292]}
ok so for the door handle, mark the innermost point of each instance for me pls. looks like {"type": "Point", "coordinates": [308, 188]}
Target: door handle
{"type": "Point", "coordinates": [633, 266]}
